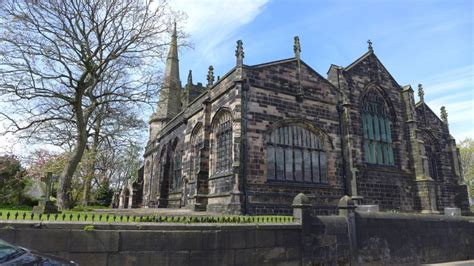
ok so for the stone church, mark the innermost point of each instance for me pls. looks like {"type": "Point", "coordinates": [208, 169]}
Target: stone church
{"type": "Point", "coordinates": [251, 140]}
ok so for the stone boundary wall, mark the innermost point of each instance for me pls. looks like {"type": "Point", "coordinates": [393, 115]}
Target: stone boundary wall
{"type": "Point", "coordinates": [386, 238]}
{"type": "Point", "coordinates": [350, 238]}
{"type": "Point", "coordinates": [164, 244]}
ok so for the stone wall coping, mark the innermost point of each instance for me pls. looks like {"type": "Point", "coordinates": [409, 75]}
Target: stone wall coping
{"type": "Point", "coordinates": [145, 226]}
{"type": "Point", "coordinates": [412, 216]}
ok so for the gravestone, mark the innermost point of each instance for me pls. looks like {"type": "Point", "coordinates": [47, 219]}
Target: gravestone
{"type": "Point", "coordinates": [45, 205]}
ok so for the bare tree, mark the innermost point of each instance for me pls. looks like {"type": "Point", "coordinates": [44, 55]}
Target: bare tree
{"type": "Point", "coordinates": [114, 127]}
{"type": "Point", "coordinates": [60, 61]}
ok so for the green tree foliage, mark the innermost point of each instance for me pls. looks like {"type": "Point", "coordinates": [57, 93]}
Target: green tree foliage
{"type": "Point", "coordinates": [466, 149]}
{"type": "Point", "coordinates": [12, 181]}
{"type": "Point", "coordinates": [104, 194]}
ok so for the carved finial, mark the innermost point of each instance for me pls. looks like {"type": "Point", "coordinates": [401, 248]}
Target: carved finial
{"type": "Point", "coordinates": [239, 53]}
{"type": "Point", "coordinates": [190, 77]}
{"type": "Point", "coordinates": [421, 93]}
{"type": "Point", "coordinates": [297, 47]}
{"type": "Point", "coordinates": [210, 76]}
{"type": "Point", "coordinates": [444, 114]}
{"type": "Point", "coordinates": [370, 45]}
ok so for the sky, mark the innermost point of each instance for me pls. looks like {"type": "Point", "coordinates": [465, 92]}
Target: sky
{"type": "Point", "coordinates": [418, 41]}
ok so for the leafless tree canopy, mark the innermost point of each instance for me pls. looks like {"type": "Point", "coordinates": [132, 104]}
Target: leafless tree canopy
{"type": "Point", "coordinates": [61, 61]}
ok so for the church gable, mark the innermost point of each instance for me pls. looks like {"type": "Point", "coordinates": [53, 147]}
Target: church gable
{"type": "Point", "coordinates": [292, 77]}
{"type": "Point", "coordinates": [427, 118]}
{"type": "Point", "coordinates": [368, 68]}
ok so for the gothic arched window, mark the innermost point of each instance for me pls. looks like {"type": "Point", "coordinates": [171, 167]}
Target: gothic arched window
{"type": "Point", "coordinates": [176, 166]}
{"type": "Point", "coordinates": [295, 153]}
{"type": "Point", "coordinates": [431, 155]}
{"type": "Point", "coordinates": [377, 132]}
{"type": "Point", "coordinates": [222, 143]}
{"type": "Point", "coordinates": [177, 169]}
{"type": "Point", "coordinates": [196, 146]}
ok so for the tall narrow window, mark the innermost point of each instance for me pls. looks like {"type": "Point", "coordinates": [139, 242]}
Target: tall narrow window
{"type": "Point", "coordinates": [431, 154]}
{"type": "Point", "coordinates": [376, 129]}
{"type": "Point", "coordinates": [196, 146]}
{"type": "Point", "coordinates": [295, 153]}
{"type": "Point", "coordinates": [177, 170]}
{"type": "Point", "coordinates": [222, 143]}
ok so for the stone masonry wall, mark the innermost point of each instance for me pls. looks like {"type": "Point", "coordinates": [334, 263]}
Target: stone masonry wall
{"type": "Point", "coordinates": [351, 238]}
{"type": "Point", "coordinates": [389, 186]}
{"type": "Point", "coordinates": [409, 239]}
{"type": "Point", "coordinates": [280, 95]}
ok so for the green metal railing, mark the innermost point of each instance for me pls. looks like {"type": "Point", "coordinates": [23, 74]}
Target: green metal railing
{"type": "Point", "coordinates": [94, 217]}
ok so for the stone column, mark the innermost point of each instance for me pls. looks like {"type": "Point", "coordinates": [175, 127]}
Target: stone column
{"type": "Point", "coordinates": [302, 215]}
{"type": "Point", "coordinates": [346, 208]}
{"type": "Point", "coordinates": [202, 186]}
{"type": "Point", "coordinates": [426, 190]}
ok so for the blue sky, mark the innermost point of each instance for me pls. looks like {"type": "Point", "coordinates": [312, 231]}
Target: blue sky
{"type": "Point", "coordinates": [420, 41]}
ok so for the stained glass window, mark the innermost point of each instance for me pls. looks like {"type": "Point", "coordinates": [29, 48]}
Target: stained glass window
{"type": "Point", "coordinates": [295, 153]}
{"type": "Point", "coordinates": [376, 128]}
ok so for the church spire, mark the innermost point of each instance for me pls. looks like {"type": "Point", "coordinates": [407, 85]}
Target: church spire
{"type": "Point", "coordinates": [190, 78]}
{"type": "Point", "coordinates": [169, 103]}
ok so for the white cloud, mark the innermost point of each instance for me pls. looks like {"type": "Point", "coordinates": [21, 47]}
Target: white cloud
{"type": "Point", "coordinates": [454, 90]}
{"type": "Point", "coordinates": [212, 22]}
{"type": "Point", "coordinates": [456, 79]}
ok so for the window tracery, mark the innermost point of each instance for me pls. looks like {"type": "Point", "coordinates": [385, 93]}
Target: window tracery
{"type": "Point", "coordinates": [295, 153]}
{"type": "Point", "coordinates": [377, 131]}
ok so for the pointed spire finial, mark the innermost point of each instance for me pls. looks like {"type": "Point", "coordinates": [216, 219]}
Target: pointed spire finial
{"type": "Point", "coordinates": [239, 53]}
{"type": "Point", "coordinates": [370, 45]}
{"type": "Point", "coordinates": [190, 77]}
{"type": "Point", "coordinates": [173, 52]}
{"type": "Point", "coordinates": [421, 93]}
{"type": "Point", "coordinates": [444, 114]}
{"type": "Point", "coordinates": [297, 47]}
{"type": "Point", "coordinates": [210, 76]}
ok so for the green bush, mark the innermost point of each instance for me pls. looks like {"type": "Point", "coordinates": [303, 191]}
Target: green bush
{"type": "Point", "coordinates": [89, 228]}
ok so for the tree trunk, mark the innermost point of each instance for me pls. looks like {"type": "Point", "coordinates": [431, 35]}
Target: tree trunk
{"type": "Point", "coordinates": [89, 176]}
{"type": "Point", "coordinates": [64, 189]}
{"type": "Point", "coordinates": [92, 160]}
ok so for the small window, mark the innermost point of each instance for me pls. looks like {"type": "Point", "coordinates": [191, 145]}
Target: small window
{"type": "Point", "coordinates": [296, 154]}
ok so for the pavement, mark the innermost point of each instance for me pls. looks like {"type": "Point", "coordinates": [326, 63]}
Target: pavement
{"type": "Point", "coordinates": [461, 262]}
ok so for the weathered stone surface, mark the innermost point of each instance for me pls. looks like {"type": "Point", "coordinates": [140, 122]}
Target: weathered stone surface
{"type": "Point", "coordinates": [142, 241]}
{"type": "Point", "coordinates": [95, 241]}
{"type": "Point", "coordinates": [43, 240]}
{"type": "Point", "coordinates": [91, 258]}
{"type": "Point", "coordinates": [138, 258]}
